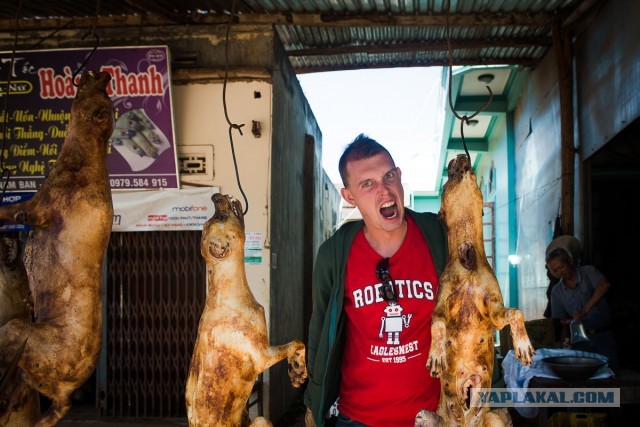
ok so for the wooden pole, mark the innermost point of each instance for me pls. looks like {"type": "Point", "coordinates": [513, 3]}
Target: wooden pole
{"type": "Point", "coordinates": [562, 47]}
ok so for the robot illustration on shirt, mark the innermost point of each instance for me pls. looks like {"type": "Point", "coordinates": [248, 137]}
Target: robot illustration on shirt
{"type": "Point", "coordinates": [393, 323]}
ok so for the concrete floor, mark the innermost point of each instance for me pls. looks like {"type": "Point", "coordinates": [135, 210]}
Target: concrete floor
{"type": "Point", "coordinates": [87, 416]}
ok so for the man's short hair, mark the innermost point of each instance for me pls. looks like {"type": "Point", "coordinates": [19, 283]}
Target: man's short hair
{"type": "Point", "coordinates": [360, 148]}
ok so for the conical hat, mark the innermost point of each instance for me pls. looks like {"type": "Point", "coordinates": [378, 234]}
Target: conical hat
{"type": "Point", "coordinates": [569, 244]}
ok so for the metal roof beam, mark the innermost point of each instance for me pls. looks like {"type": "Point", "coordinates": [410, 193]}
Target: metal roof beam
{"type": "Point", "coordinates": [301, 19]}
{"type": "Point", "coordinates": [307, 68]}
{"type": "Point", "coordinates": [393, 20]}
{"type": "Point", "coordinates": [439, 46]}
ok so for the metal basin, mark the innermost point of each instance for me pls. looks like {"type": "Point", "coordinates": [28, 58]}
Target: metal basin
{"type": "Point", "coordinates": [573, 367]}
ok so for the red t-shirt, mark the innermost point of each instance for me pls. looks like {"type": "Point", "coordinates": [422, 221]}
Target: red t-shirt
{"type": "Point", "coordinates": [385, 381]}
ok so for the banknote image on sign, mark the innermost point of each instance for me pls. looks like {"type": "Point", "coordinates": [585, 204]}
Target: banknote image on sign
{"type": "Point", "coordinates": [138, 139]}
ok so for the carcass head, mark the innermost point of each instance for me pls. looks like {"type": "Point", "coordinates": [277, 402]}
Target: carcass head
{"type": "Point", "coordinates": [92, 109]}
{"type": "Point", "coordinates": [223, 233]}
{"type": "Point", "coordinates": [461, 203]}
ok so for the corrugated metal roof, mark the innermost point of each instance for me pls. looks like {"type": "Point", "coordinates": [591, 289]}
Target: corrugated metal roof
{"type": "Point", "coordinates": [322, 35]}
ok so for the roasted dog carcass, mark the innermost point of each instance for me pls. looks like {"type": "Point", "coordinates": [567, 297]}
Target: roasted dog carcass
{"type": "Point", "coordinates": [232, 346]}
{"type": "Point", "coordinates": [19, 403]}
{"type": "Point", "coordinates": [469, 309]}
{"type": "Point", "coordinates": [71, 216]}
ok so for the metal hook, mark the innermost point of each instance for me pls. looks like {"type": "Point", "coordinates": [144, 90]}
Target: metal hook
{"type": "Point", "coordinates": [463, 119]}
{"type": "Point", "coordinates": [95, 47]}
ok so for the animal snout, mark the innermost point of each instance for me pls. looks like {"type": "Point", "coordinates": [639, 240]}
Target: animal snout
{"type": "Point", "coordinates": [458, 167]}
{"type": "Point", "coordinates": [221, 216]}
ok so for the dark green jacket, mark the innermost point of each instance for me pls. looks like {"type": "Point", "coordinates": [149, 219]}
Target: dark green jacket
{"type": "Point", "coordinates": [326, 329]}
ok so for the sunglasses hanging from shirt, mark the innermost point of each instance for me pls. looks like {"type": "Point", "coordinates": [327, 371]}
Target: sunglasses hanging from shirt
{"type": "Point", "coordinates": [387, 290]}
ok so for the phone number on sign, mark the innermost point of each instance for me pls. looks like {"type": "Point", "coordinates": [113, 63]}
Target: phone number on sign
{"type": "Point", "coordinates": [138, 182]}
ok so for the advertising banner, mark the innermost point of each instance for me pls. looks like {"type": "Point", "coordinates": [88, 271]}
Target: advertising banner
{"type": "Point", "coordinates": [142, 149]}
{"type": "Point", "coordinates": [162, 210]}
{"type": "Point", "coordinates": [167, 210]}
{"type": "Point", "coordinates": [10, 199]}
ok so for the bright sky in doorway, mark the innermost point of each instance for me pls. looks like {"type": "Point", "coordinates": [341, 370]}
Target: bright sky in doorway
{"type": "Point", "coordinates": [402, 108]}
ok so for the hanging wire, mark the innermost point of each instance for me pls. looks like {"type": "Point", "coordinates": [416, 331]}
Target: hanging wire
{"type": "Point", "coordinates": [224, 103]}
{"type": "Point", "coordinates": [5, 173]}
{"type": "Point", "coordinates": [95, 46]}
{"type": "Point", "coordinates": [88, 57]}
{"type": "Point", "coordinates": [463, 119]}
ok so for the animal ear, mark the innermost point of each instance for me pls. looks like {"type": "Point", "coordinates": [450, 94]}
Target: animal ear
{"type": "Point", "coordinates": [91, 79]}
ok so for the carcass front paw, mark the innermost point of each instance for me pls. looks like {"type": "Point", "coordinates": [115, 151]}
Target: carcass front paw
{"type": "Point", "coordinates": [523, 350]}
{"type": "Point", "coordinates": [436, 364]}
{"type": "Point", "coordinates": [297, 368]}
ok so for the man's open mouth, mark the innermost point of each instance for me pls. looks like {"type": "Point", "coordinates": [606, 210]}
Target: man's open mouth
{"type": "Point", "coordinates": [389, 210]}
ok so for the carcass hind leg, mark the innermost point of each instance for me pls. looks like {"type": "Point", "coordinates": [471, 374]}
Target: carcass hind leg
{"type": "Point", "coordinates": [12, 336]}
{"type": "Point", "coordinates": [35, 362]}
{"type": "Point", "coordinates": [426, 418]}
{"type": "Point", "coordinates": [497, 418]}
{"type": "Point", "coordinates": [58, 409]}
{"type": "Point", "coordinates": [261, 422]}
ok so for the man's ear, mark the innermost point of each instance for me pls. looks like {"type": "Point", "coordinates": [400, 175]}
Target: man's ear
{"type": "Point", "coordinates": [346, 195]}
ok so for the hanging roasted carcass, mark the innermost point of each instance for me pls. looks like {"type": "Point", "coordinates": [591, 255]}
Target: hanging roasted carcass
{"type": "Point", "coordinates": [469, 309]}
{"type": "Point", "coordinates": [232, 347]}
{"type": "Point", "coordinates": [19, 403]}
{"type": "Point", "coordinates": [71, 217]}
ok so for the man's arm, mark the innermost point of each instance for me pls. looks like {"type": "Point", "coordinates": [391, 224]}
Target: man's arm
{"type": "Point", "coordinates": [601, 289]}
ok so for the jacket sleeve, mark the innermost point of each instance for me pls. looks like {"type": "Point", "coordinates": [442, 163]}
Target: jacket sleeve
{"type": "Point", "coordinates": [322, 287]}
{"type": "Point", "coordinates": [321, 292]}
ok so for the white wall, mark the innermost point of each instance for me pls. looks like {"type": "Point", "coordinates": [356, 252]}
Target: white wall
{"type": "Point", "coordinates": [200, 120]}
{"type": "Point", "coordinates": [538, 180]}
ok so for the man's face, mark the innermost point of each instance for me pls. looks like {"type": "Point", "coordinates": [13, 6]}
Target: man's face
{"type": "Point", "coordinates": [375, 188]}
{"type": "Point", "coordinates": [560, 269]}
